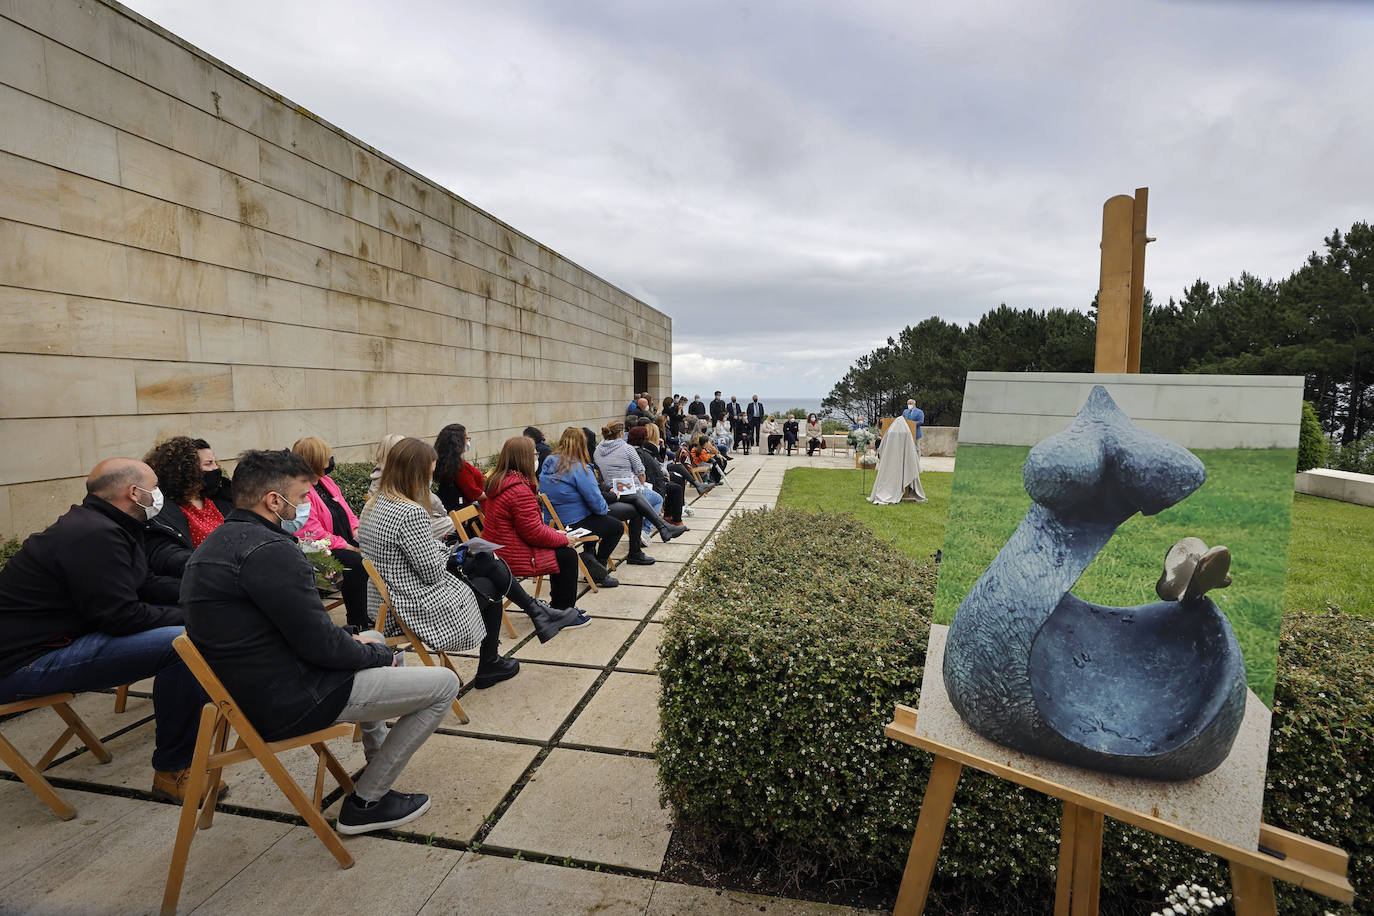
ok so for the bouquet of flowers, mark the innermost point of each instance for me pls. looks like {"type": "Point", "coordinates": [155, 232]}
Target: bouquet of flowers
{"type": "Point", "coordinates": [328, 570]}
{"type": "Point", "coordinates": [862, 438]}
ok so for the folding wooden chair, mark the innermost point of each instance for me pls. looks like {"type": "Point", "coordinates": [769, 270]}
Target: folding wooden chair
{"type": "Point", "coordinates": [589, 539]}
{"type": "Point", "coordinates": [467, 521]}
{"type": "Point", "coordinates": [408, 636]}
{"type": "Point", "coordinates": [212, 755]}
{"type": "Point", "coordinates": [32, 773]}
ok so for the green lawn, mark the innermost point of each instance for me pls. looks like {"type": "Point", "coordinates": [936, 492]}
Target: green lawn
{"type": "Point", "coordinates": [914, 528]}
{"type": "Point", "coordinates": [1332, 544]}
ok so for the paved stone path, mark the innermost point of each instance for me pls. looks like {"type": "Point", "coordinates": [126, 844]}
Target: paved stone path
{"type": "Point", "coordinates": [556, 763]}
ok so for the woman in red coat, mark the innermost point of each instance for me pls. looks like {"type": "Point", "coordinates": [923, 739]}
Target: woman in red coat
{"type": "Point", "coordinates": [514, 520]}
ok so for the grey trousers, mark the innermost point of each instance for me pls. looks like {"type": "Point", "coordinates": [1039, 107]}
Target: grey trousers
{"type": "Point", "coordinates": [419, 696]}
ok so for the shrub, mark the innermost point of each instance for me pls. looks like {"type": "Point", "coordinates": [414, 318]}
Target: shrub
{"type": "Point", "coordinates": [354, 478]}
{"type": "Point", "coordinates": [1357, 456]}
{"type": "Point", "coordinates": [8, 549]}
{"type": "Point", "coordinates": [1311, 442]}
{"type": "Point", "coordinates": [787, 648]}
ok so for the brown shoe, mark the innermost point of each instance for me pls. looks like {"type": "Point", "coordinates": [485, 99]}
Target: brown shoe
{"type": "Point", "coordinates": [171, 786]}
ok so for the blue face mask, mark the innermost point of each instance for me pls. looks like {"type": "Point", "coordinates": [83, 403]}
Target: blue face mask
{"type": "Point", "coordinates": [292, 525]}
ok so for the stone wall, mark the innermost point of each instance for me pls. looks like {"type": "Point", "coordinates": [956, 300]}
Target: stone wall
{"type": "Point", "coordinates": [1197, 411]}
{"type": "Point", "coordinates": [183, 251]}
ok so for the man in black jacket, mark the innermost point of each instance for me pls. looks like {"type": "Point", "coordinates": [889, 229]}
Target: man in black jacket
{"type": "Point", "coordinates": [253, 611]}
{"type": "Point", "coordinates": [79, 611]}
{"type": "Point", "coordinates": [696, 408]}
{"type": "Point", "coordinates": [754, 410]}
{"type": "Point", "coordinates": [717, 408]}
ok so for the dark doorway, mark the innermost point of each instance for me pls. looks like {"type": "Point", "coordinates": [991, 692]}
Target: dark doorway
{"type": "Point", "coordinates": [641, 376]}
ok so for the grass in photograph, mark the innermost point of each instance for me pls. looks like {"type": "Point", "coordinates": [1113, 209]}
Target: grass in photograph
{"type": "Point", "coordinates": [917, 529]}
{"type": "Point", "coordinates": [1244, 504]}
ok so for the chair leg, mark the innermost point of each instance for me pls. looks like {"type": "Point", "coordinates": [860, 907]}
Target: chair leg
{"type": "Point", "coordinates": [34, 780]}
{"type": "Point", "coordinates": [317, 797]}
{"type": "Point", "coordinates": [122, 698]}
{"type": "Point", "coordinates": [330, 762]}
{"type": "Point", "coordinates": [218, 743]}
{"type": "Point", "coordinates": [505, 620]}
{"type": "Point", "coordinates": [457, 707]}
{"type": "Point", "coordinates": [77, 726]}
{"type": "Point", "coordinates": [186, 824]}
{"type": "Point", "coordinates": [301, 803]}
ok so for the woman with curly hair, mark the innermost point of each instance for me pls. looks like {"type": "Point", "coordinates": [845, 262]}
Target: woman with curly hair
{"type": "Point", "coordinates": [460, 482]}
{"type": "Point", "coordinates": [188, 514]}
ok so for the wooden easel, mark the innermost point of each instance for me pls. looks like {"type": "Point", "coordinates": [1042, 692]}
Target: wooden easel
{"type": "Point", "coordinates": [1311, 865]}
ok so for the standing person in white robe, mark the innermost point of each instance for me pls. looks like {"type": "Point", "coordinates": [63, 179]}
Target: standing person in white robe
{"type": "Point", "coordinates": [899, 467]}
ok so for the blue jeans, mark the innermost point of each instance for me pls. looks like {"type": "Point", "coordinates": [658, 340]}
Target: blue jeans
{"type": "Point", "coordinates": [97, 661]}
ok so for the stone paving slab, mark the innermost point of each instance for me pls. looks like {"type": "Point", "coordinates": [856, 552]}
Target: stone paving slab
{"type": "Point", "coordinates": [249, 784]}
{"type": "Point", "coordinates": [643, 652]}
{"type": "Point", "coordinates": [34, 731]}
{"type": "Point", "coordinates": [590, 806]}
{"type": "Point", "coordinates": [676, 551]}
{"type": "Point", "coordinates": [500, 886]}
{"type": "Point", "coordinates": [532, 705]}
{"type": "Point", "coordinates": [465, 778]}
{"type": "Point", "coordinates": [34, 834]}
{"type": "Point", "coordinates": [661, 573]}
{"type": "Point", "coordinates": [624, 603]}
{"type": "Point", "coordinates": [623, 714]}
{"type": "Point", "coordinates": [120, 866]}
{"type": "Point", "coordinates": [700, 530]}
{"type": "Point", "coordinates": [594, 644]}
{"type": "Point", "coordinates": [297, 875]}
{"type": "Point", "coordinates": [688, 900]}
{"type": "Point", "coordinates": [665, 610]}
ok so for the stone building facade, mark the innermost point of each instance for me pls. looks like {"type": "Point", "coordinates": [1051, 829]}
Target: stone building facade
{"type": "Point", "coordinates": [183, 251]}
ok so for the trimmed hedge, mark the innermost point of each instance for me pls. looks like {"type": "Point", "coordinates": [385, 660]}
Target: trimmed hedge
{"type": "Point", "coordinates": [354, 479]}
{"type": "Point", "coordinates": [791, 641]}
{"type": "Point", "coordinates": [8, 549]}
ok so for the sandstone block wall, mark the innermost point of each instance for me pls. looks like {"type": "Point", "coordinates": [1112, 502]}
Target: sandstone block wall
{"type": "Point", "coordinates": [182, 251]}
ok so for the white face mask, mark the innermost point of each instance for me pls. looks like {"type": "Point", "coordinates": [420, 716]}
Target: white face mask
{"type": "Point", "coordinates": [156, 507]}
{"type": "Point", "coordinates": [910, 405]}
{"type": "Point", "coordinates": [292, 525]}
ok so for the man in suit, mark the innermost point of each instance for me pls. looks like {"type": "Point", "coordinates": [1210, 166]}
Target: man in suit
{"type": "Point", "coordinates": [697, 408]}
{"type": "Point", "coordinates": [717, 409]}
{"type": "Point", "coordinates": [734, 409]}
{"type": "Point", "coordinates": [754, 410]}
{"type": "Point", "coordinates": [915, 415]}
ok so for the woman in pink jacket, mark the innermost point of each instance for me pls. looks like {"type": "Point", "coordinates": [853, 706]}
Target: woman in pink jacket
{"type": "Point", "coordinates": [332, 520]}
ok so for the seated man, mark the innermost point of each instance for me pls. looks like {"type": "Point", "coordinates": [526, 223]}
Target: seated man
{"type": "Point", "coordinates": [79, 610]}
{"type": "Point", "coordinates": [253, 611]}
{"type": "Point", "coordinates": [790, 430]}
{"type": "Point", "coordinates": [743, 435]}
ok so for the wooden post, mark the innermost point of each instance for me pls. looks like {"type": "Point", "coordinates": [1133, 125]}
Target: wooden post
{"type": "Point", "coordinates": [1121, 290]}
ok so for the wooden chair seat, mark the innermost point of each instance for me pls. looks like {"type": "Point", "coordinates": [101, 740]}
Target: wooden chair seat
{"type": "Point", "coordinates": [32, 773]}
{"type": "Point", "coordinates": [408, 636]}
{"type": "Point", "coordinates": [212, 755]}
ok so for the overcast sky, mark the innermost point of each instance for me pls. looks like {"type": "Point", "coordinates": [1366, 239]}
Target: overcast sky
{"type": "Point", "coordinates": [794, 181]}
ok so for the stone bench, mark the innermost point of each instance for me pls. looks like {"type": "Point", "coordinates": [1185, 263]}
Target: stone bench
{"type": "Point", "coordinates": [1343, 485]}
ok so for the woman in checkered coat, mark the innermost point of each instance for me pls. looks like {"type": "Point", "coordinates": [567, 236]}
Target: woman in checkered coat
{"type": "Point", "coordinates": [444, 611]}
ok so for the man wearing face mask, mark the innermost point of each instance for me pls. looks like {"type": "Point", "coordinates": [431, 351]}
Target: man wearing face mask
{"type": "Point", "coordinates": [79, 611]}
{"type": "Point", "coordinates": [252, 610]}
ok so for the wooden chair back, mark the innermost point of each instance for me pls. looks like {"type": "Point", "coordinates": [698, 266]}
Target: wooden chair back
{"type": "Point", "coordinates": [467, 521]}
{"type": "Point", "coordinates": [590, 539]}
{"type": "Point", "coordinates": [408, 636]}
{"type": "Point", "coordinates": [212, 755]}
{"type": "Point", "coordinates": [32, 773]}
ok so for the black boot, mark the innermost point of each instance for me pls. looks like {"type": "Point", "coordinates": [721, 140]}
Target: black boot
{"type": "Point", "coordinates": [599, 573]}
{"type": "Point", "coordinates": [491, 667]}
{"type": "Point", "coordinates": [668, 532]}
{"type": "Point", "coordinates": [547, 621]}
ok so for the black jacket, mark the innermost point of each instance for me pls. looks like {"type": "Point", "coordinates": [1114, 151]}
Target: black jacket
{"type": "Point", "coordinates": [790, 429]}
{"type": "Point", "coordinates": [86, 573]}
{"type": "Point", "coordinates": [754, 410]}
{"type": "Point", "coordinates": [253, 611]}
{"type": "Point", "coordinates": [653, 471]}
{"type": "Point", "coordinates": [169, 538]}
{"type": "Point", "coordinates": [696, 409]}
{"type": "Point", "coordinates": [717, 409]}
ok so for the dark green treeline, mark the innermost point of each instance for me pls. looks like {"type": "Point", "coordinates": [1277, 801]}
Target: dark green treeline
{"type": "Point", "coordinates": [1317, 323]}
